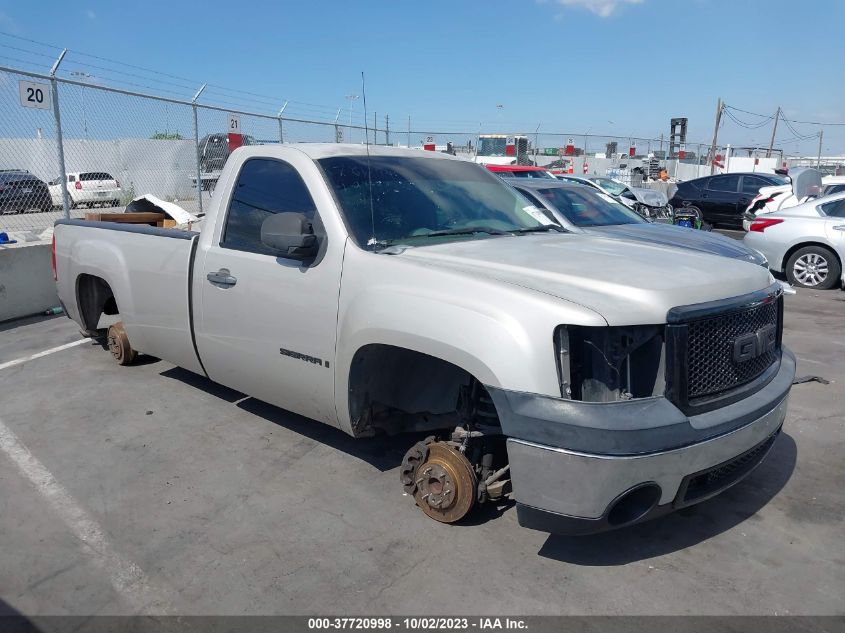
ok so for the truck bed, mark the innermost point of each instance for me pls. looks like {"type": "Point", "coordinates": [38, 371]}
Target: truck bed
{"type": "Point", "coordinates": [148, 270]}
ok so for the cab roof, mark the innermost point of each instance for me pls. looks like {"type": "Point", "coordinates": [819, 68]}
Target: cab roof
{"type": "Point", "coordinates": [316, 151]}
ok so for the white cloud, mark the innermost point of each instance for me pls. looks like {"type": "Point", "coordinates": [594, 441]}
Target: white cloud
{"type": "Point", "coordinates": [602, 8]}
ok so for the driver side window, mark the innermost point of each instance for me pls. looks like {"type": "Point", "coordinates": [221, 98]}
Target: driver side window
{"type": "Point", "coordinates": [264, 187]}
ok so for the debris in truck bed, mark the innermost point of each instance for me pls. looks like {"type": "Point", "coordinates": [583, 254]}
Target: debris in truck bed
{"type": "Point", "coordinates": [149, 203]}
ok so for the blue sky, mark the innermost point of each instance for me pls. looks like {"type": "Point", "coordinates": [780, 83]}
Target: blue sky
{"type": "Point", "coordinates": [609, 66]}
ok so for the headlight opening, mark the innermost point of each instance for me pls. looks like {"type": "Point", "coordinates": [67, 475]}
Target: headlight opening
{"type": "Point", "coordinates": [609, 364]}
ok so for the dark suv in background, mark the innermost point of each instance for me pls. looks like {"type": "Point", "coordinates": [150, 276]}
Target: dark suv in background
{"type": "Point", "coordinates": [21, 191]}
{"type": "Point", "coordinates": [214, 150]}
{"type": "Point", "coordinates": [723, 199]}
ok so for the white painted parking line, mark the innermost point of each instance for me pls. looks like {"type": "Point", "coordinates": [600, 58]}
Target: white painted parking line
{"type": "Point", "coordinates": [46, 352]}
{"type": "Point", "coordinates": [126, 578]}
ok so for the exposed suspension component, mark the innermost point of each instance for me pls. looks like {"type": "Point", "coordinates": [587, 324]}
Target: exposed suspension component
{"type": "Point", "coordinates": [449, 476]}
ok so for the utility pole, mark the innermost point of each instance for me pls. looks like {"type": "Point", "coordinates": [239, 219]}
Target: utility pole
{"type": "Point", "coordinates": [387, 129]}
{"type": "Point", "coordinates": [774, 131]}
{"type": "Point", "coordinates": [719, 107]}
{"type": "Point", "coordinates": [409, 131]}
{"type": "Point", "coordinates": [375, 128]}
{"type": "Point", "coordinates": [819, 161]}
{"type": "Point", "coordinates": [54, 91]}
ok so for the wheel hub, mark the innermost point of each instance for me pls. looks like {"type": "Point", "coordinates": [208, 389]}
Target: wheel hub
{"type": "Point", "coordinates": [444, 483]}
{"type": "Point", "coordinates": [436, 486]}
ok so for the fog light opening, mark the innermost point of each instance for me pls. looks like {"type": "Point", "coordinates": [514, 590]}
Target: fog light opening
{"type": "Point", "coordinates": [634, 504]}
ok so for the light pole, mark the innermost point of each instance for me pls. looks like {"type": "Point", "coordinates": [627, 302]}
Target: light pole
{"type": "Point", "coordinates": [351, 99]}
{"type": "Point", "coordinates": [77, 73]}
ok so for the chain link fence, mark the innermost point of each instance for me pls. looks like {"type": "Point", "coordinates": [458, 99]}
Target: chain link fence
{"type": "Point", "coordinates": [117, 144]}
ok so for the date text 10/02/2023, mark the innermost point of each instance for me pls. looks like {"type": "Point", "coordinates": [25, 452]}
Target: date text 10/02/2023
{"type": "Point", "coordinates": [417, 623]}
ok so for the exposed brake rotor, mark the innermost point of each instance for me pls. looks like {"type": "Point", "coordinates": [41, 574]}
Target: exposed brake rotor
{"type": "Point", "coordinates": [444, 483]}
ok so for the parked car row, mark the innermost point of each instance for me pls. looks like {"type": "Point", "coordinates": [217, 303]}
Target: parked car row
{"type": "Point", "coordinates": [582, 209]}
{"type": "Point", "coordinates": [22, 192]}
{"type": "Point", "coordinates": [795, 223]}
{"type": "Point", "coordinates": [651, 204]}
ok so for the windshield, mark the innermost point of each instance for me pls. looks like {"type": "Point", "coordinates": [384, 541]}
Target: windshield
{"type": "Point", "coordinates": [609, 185]}
{"type": "Point", "coordinates": [420, 201]}
{"type": "Point", "coordinates": [491, 146]}
{"type": "Point", "coordinates": [587, 207]}
{"type": "Point", "coordinates": [778, 180]}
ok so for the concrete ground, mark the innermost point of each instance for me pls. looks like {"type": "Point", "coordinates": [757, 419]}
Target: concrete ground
{"type": "Point", "coordinates": [149, 489]}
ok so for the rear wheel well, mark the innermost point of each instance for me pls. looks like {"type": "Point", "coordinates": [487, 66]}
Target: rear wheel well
{"type": "Point", "coordinates": [396, 390]}
{"type": "Point", "coordinates": [94, 298]}
{"type": "Point", "coordinates": [798, 247]}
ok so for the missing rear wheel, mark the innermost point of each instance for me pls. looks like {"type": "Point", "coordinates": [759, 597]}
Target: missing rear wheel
{"type": "Point", "coordinates": [119, 345]}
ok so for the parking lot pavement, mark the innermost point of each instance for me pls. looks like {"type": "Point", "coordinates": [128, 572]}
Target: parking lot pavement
{"type": "Point", "coordinates": [147, 488]}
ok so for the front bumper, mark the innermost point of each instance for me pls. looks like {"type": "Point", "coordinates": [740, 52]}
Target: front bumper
{"type": "Point", "coordinates": [580, 468]}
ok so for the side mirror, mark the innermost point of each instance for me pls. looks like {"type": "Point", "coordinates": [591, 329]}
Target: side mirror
{"type": "Point", "coordinates": [290, 234]}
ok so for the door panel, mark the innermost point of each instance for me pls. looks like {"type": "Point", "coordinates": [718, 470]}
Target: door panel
{"type": "Point", "coordinates": [721, 200]}
{"type": "Point", "coordinates": [268, 324]}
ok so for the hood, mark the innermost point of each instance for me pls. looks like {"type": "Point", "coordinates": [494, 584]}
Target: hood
{"type": "Point", "coordinates": [649, 197]}
{"type": "Point", "coordinates": [628, 283]}
{"type": "Point", "coordinates": [670, 235]}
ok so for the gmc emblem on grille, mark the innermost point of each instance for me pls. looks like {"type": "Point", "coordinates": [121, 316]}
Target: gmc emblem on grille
{"type": "Point", "coordinates": [755, 344]}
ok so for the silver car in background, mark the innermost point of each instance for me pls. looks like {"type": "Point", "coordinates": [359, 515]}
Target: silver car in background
{"type": "Point", "coordinates": [581, 209]}
{"type": "Point", "coordinates": [805, 242]}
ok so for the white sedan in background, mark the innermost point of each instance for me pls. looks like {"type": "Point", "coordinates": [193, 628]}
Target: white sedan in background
{"type": "Point", "coordinates": [805, 242]}
{"type": "Point", "coordinates": [90, 188]}
{"type": "Point", "coordinates": [805, 183]}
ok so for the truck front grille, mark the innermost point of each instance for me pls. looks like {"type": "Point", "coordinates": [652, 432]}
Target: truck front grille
{"type": "Point", "coordinates": [710, 350]}
{"type": "Point", "coordinates": [722, 351]}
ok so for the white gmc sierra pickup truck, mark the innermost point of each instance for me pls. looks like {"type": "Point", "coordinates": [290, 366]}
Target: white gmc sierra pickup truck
{"type": "Point", "coordinates": [598, 382]}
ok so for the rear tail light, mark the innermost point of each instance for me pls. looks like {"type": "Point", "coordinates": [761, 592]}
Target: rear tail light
{"type": "Point", "coordinates": [53, 258]}
{"type": "Point", "coordinates": [758, 226]}
{"type": "Point", "coordinates": [77, 185]}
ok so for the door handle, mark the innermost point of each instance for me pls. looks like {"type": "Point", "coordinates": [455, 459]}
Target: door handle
{"type": "Point", "coordinates": [744, 201]}
{"type": "Point", "coordinates": [839, 227]}
{"type": "Point", "coordinates": [222, 277]}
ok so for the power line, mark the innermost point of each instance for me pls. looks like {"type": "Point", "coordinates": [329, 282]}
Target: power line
{"type": "Point", "coordinates": [822, 123]}
{"type": "Point", "coordinates": [746, 125]}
